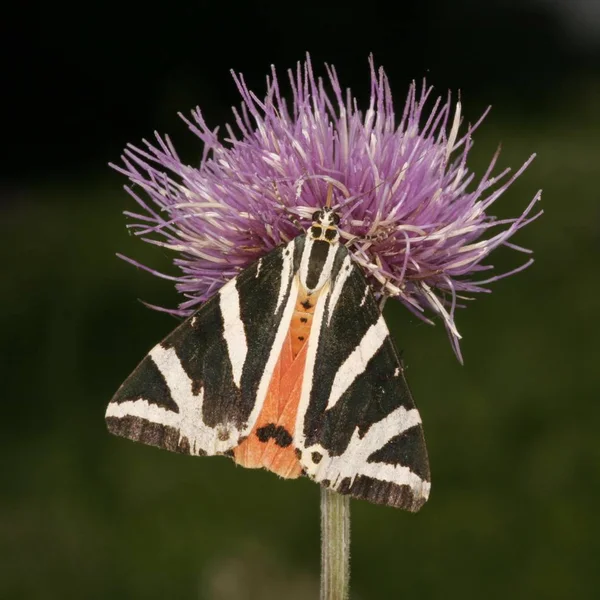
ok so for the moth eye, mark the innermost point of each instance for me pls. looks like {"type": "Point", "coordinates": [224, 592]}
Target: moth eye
{"type": "Point", "coordinates": [317, 216]}
{"type": "Point", "coordinates": [315, 231]}
{"type": "Point", "coordinates": [335, 218]}
{"type": "Point", "coordinates": [330, 234]}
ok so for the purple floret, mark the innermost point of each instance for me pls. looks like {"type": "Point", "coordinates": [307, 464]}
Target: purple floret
{"type": "Point", "coordinates": [414, 216]}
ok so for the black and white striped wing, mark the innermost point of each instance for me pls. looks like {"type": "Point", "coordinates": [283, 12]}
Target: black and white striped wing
{"type": "Point", "coordinates": [201, 389]}
{"type": "Point", "coordinates": [358, 428]}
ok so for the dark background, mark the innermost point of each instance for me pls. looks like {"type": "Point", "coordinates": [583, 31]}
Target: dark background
{"type": "Point", "coordinates": [512, 435]}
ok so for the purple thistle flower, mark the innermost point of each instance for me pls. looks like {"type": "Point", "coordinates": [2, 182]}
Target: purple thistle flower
{"type": "Point", "coordinates": [412, 213]}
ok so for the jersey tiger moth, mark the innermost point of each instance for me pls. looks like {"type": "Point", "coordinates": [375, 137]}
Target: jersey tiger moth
{"type": "Point", "coordinates": [289, 367]}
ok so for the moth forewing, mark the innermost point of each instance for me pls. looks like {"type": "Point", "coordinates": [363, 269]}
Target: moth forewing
{"type": "Point", "coordinates": [289, 367]}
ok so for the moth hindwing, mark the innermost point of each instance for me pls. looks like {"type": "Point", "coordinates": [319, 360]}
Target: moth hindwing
{"type": "Point", "coordinates": [289, 367]}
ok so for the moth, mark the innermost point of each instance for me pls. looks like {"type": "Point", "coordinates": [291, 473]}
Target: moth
{"type": "Point", "coordinates": [289, 367]}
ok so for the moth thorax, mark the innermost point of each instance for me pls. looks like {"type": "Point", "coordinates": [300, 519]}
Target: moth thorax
{"type": "Point", "coordinates": [316, 264]}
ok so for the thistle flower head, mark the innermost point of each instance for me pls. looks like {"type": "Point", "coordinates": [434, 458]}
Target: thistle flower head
{"type": "Point", "coordinates": [413, 215]}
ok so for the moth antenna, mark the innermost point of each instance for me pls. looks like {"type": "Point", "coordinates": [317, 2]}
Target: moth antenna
{"type": "Point", "coordinates": [329, 195]}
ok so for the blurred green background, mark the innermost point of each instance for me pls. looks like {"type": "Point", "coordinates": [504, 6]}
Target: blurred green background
{"type": "Point", "coordinates": [512, 435]}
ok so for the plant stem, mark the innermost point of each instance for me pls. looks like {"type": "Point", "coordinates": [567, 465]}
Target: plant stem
{"type": "Point", "coordinates": [335, 545]}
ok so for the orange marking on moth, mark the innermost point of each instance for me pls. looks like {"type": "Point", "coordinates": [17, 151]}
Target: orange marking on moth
{"type": "Point", "coordinates": [276, 422]}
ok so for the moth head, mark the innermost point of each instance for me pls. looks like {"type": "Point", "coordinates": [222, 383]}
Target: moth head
{"type": "Point", "coordinates": [325, 225]}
